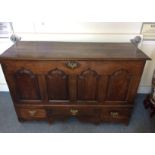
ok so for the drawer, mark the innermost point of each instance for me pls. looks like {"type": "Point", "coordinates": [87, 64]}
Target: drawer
{"type": "Point", "coordinates": [116, 114]}
{"type": "Point", "coordinates": [83, 113]}
{"type": "Point", "coordinates": [29, 113]}
{"type": "Point", "coordinates": [74, 111]}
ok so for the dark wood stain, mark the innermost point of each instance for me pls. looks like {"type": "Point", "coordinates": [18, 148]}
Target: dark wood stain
{"type": "Point", "coordinates": [23, 77]}
{"type": "Point", "coordinates": [57, 85]}
{"type": "Point", "coordinates": [118, 87]}
{"type": "Point", "coordinates": [94, 82]}
{"type": "Point", "coordinates": [72, 50]}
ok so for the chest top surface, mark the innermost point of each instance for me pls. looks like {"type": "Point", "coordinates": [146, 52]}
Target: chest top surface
{"type": "Point", "coordinates": [43, 50]}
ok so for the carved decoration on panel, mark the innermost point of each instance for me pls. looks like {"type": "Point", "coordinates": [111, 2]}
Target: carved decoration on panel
{"type": "Point", "coordinates": [56, 73]}
{"type": "Point", "coordinates": [88, 85]}
{"type": "Point", "coordinates": [27, 86]}
{"type": "Point", "coordinates": [118, 85]}
{"type": "Point", "coordinates": [57, 85]}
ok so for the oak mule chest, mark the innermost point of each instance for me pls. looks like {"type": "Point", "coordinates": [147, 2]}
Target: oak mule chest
{"type": "Point", "coordinates": [93, 82]}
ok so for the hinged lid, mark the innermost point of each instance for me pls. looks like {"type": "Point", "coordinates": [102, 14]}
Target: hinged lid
{"type": "Point", "coordinates": [36, 50]}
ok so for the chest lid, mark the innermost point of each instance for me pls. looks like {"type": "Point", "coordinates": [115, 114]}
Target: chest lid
{"type": "Point", "coordinates": [44, 50]}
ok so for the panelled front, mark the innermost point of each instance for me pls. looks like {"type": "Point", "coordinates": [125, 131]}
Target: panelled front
{"type": "Point", "coordinates": [57, 85]}
{"type": "Point", "coordinates": [87, 85]}
{"type": "Point", "coordinates": [118, 85]}
{"type": "Point", "coordinates": [26, 84]}
{"type": "Point", "coordinates": [73, 82]}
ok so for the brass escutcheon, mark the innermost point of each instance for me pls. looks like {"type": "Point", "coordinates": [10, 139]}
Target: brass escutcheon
{"type": "Point", "coordinates": [72, 64]}
{"type": "Point", "coordinates": [74, 112]}
{"type": "Point", "coordinates": [32, 112]}
{"type": "Point", "coordinates": [114, 114]}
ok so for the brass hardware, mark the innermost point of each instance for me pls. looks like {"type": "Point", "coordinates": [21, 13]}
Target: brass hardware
{"type": "Point", "coordinates": [32, 112]}
{"type": "Point", "coordinates": [72, 64]}
{"type": "Point", "coordinates": [74, 112]}
{"type": "Point", "coordinates": [114, 114]}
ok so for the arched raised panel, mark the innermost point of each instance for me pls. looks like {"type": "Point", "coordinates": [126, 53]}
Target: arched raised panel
{"type": "Point", "coordinates": [57, 85]}
{"type": "Point", "coordinates": [26, 84]}
{"type": "Point", "coordinates": [88, 85]}
{"type": "Point", "coordinates": [118, 85]}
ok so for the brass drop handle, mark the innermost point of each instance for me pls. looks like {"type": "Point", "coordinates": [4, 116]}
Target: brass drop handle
{"type": "Point", "coordinates": [114, 114]}
{"type": "Point", "coordinates": [74, 112]}
{"type": "Point", "coordinates": [72, 64]}
{"type": "Point", "coordinates": [32, 112]}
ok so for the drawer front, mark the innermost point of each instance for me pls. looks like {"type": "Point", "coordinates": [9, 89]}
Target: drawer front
{"type": "Point", "coordinates": [104, 112]}
{"type": "Point", "coordinates": [116, 114]}
{"type": "Point", "coordinates": [31, 113]}
{"type": "Point", "coordinates": [73, 111]}
{"type": "Point", "coordinates": [98, 114]}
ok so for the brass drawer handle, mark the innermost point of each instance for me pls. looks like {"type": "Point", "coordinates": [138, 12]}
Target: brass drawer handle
{"type": "Point", "coordinates": [72, 64]}
{"type": "Point", "coordinates": [114, 114]}
{"type": "Point", "coordinates": [32, 112]}
{"type": "Point", "coordinates": [74, 112]}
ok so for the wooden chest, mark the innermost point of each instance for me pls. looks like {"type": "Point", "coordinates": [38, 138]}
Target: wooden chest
{"type": "Point", "coordinates": [94, 82]}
